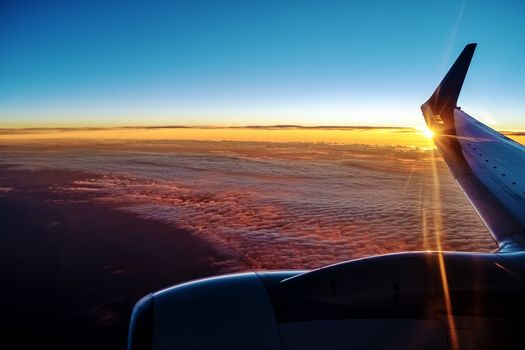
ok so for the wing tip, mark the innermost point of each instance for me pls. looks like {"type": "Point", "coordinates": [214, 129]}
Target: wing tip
{"type": "Point", "coordinates": [444, 99]}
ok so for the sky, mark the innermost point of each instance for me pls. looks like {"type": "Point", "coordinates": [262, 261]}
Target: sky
{"type": "Point", "coordinates": [86, 63]}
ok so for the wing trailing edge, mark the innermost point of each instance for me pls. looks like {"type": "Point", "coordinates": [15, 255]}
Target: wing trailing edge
{"type": "Point", "coordinates": [488, 166]}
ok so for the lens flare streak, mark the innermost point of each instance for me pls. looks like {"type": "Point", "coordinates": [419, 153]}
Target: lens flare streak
{"type": "Point", "coordinates": [438, 226]}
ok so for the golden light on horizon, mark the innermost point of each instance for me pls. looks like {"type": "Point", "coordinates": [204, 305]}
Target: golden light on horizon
{"type": "Point", "coordinates": [409, 137]}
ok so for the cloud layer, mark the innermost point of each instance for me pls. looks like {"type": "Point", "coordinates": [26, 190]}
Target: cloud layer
{"type": "Point", "coordinates": [273, 206]}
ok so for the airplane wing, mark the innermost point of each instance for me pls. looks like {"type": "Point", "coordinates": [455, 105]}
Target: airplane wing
{"type": "Point", "coordinates": [488, 166]}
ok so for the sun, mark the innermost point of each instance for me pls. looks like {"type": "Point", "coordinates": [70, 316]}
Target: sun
{"type": "Point", "coordinates": [425, 131]}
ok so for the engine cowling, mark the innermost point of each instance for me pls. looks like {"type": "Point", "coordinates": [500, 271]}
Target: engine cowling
{"type": "Point", "coordinates": [395, 301]}
{"type": "Point", "coordinates": [230, 312]}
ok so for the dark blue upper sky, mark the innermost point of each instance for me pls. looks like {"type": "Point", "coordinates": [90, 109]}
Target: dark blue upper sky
{"type": "Point", "coordinates": [254, 62]}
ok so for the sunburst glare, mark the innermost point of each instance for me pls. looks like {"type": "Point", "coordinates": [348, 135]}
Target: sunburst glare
{"type": "Point", "coordinates": [425, 131]}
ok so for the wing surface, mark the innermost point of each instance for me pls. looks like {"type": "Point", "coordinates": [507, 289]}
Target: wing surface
{"type": "Point", "coordinates": [488, 166]}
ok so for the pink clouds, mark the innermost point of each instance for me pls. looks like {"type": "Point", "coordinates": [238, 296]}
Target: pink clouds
{"type": "Point", "coordinates": [267, 211]}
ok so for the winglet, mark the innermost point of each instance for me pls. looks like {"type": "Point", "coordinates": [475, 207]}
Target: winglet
{"type": "Point", "coordinates": [444, 100]}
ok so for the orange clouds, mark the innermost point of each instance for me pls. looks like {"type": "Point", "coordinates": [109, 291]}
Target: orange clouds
{"type": "Point", "coordinates": [277, 205]}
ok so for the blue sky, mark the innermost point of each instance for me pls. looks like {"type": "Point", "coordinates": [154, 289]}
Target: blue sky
{"type": "Point", "coordinates": [254, 62]}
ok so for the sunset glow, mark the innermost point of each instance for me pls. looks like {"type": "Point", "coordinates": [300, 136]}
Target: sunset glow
{"type": "Point", "coordinates": [281, 144]}
{"type": "Point", "coordinates": [368, 136]}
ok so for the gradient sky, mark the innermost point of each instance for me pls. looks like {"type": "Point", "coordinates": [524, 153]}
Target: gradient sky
{"type": "Point", "coordinates": [254, 62]}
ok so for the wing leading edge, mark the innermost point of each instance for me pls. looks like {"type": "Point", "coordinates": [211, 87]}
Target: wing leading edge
{"type": "Point", "coordinates": [488, 166]}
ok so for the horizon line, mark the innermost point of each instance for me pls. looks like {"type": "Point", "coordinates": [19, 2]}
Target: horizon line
{"type": "Point", "coordinates": [516, 132]}
{"type": "Point", "coordinates": [273, 126]}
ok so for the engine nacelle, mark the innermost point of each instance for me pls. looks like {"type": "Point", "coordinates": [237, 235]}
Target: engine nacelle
{"type": "Point", "coordinates": [393, 301]}
{"type": "Point", "coordinates": [230, 312]}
